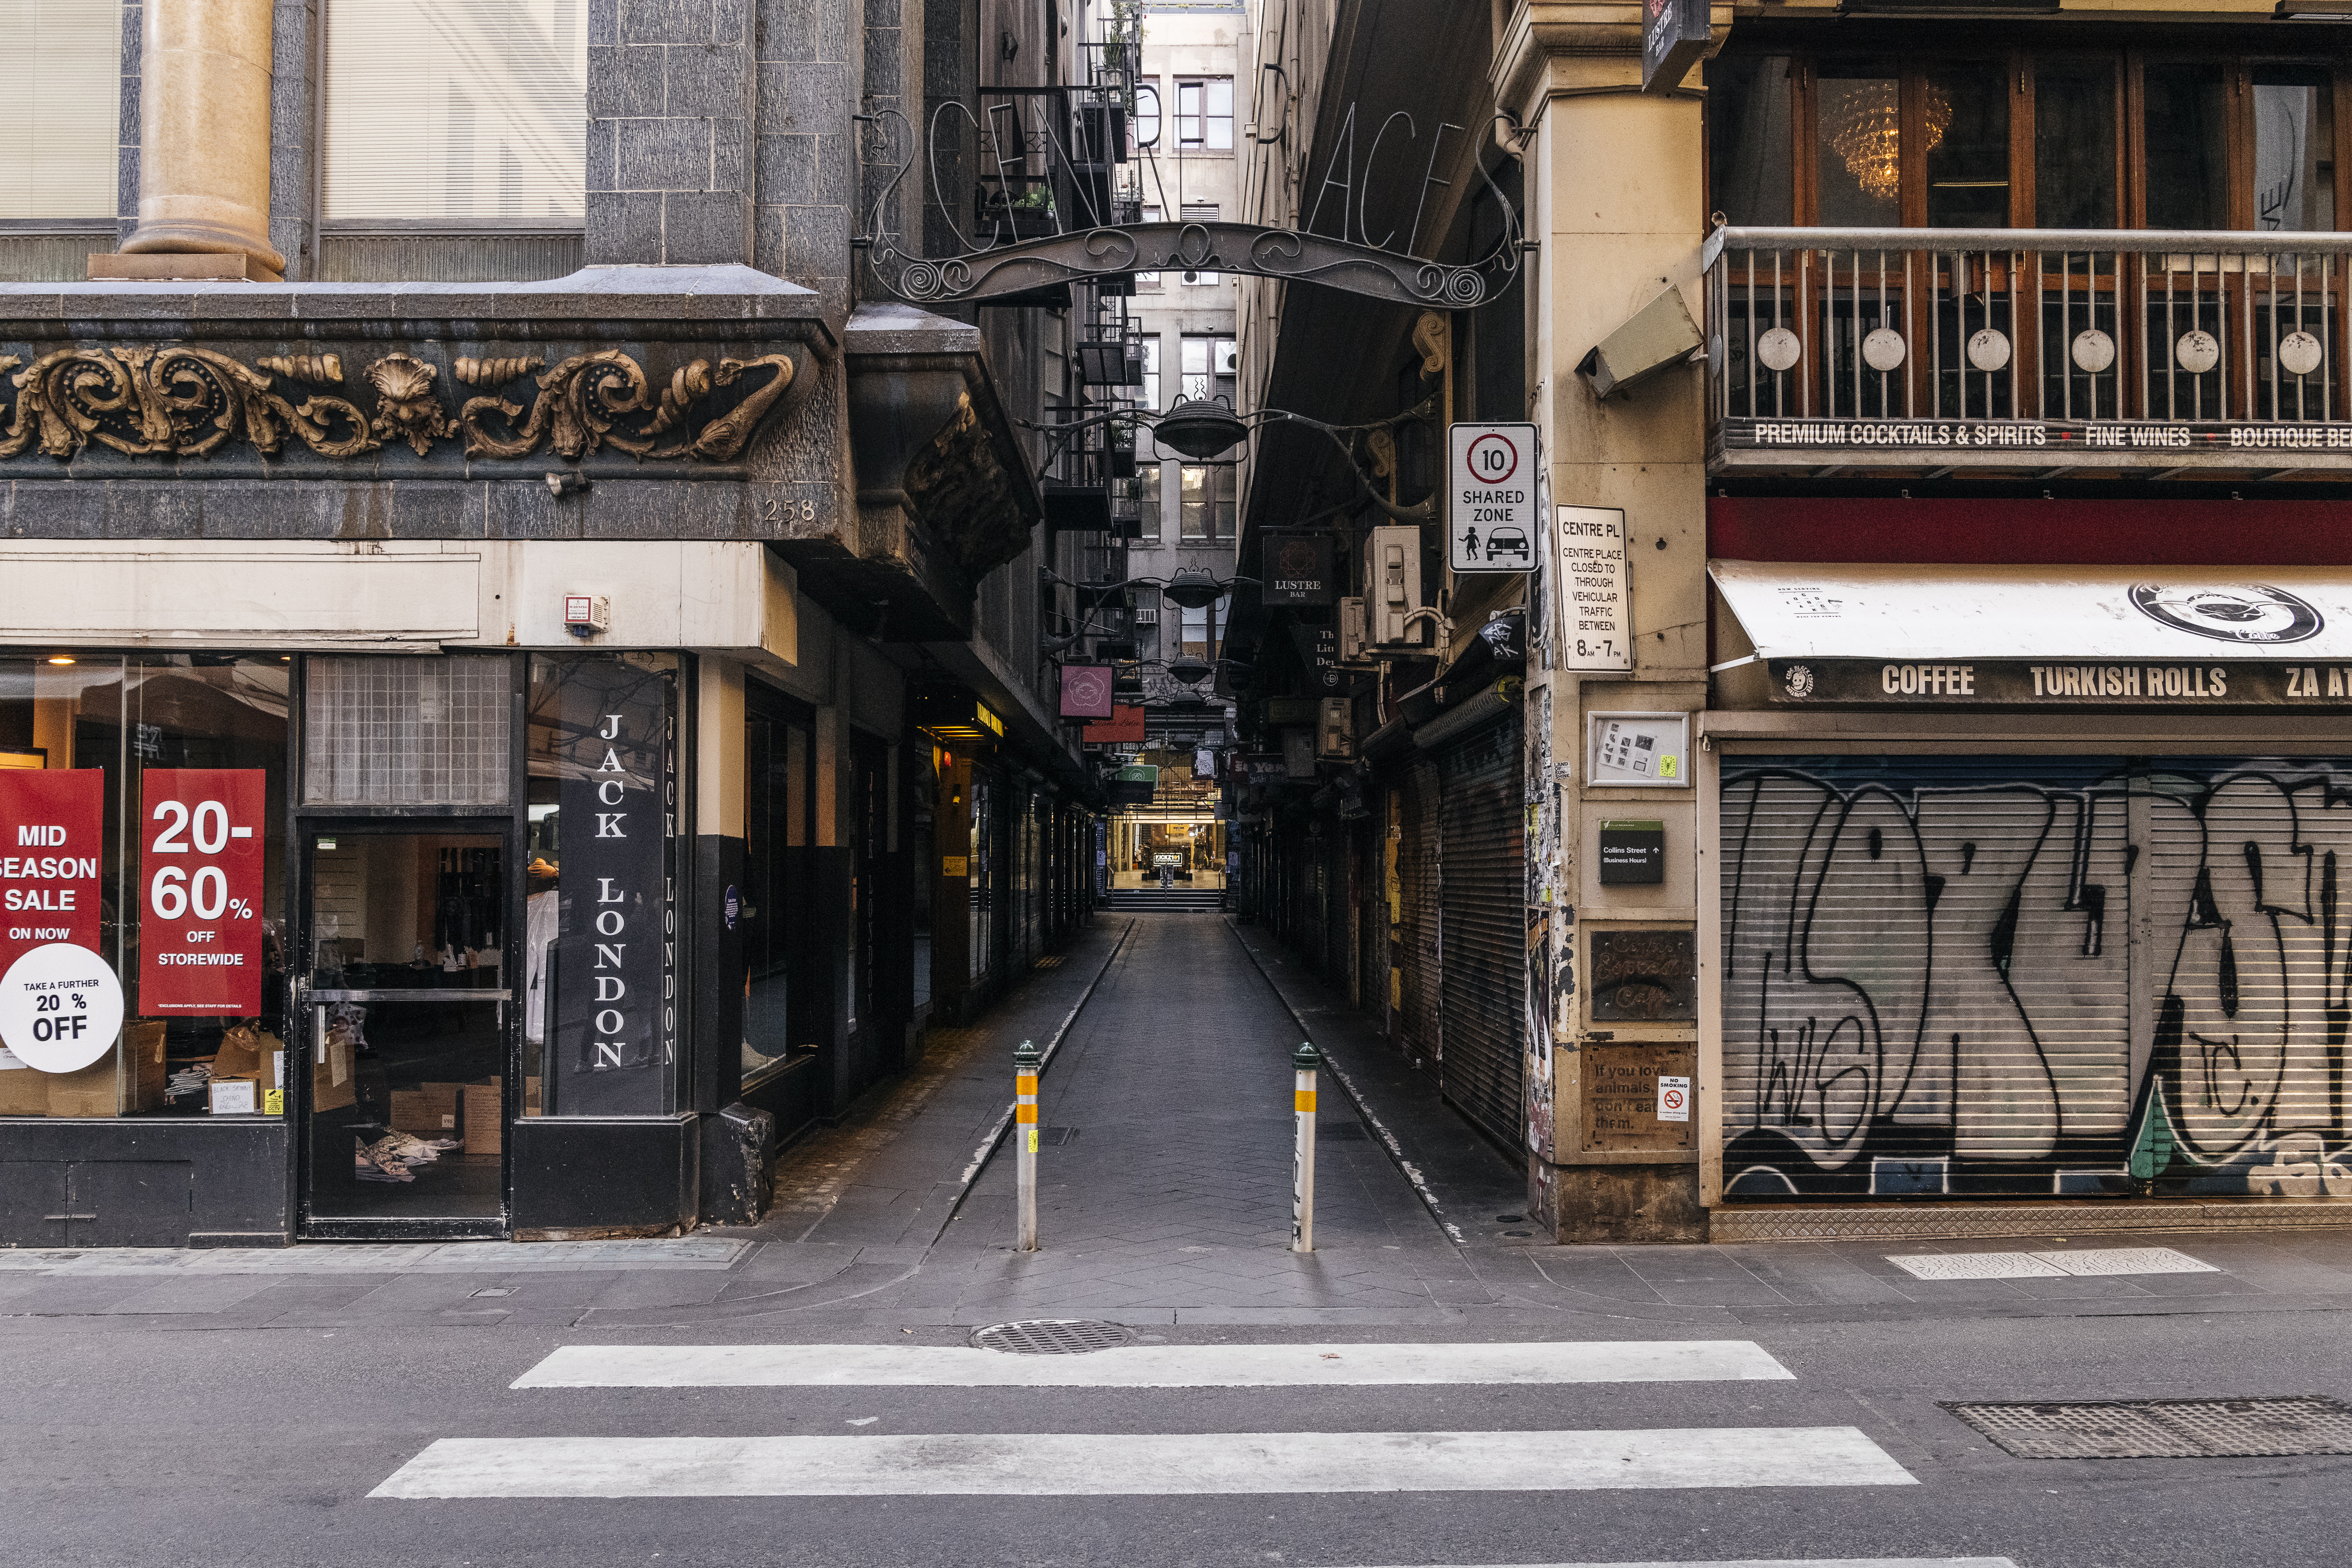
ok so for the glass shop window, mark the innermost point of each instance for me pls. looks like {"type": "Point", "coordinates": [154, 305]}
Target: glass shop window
{"type": "Point", "coordinates": [1858, 164]}
{"type": "Point", "coordinates": [2187, 134]}
{"type": "Point", "coordinates": [779, 829]}
{"type": "Point", "coordinates": [2294, 141]}
{"type": "Point", "coordinates": [2074, 163]}
{"type": "Point", "coordinates": [467, 114]}
{"type": "Point", "coordinates": [1749, 119]}
{"type": "Point", "coordinates": [142, 810]}
{"type": "Point", "coordinates": [58, 152]}
{"type": "Point", "coordinates": [601, 1026]}
{"type": "Point", "coordinates": [1964, 114]}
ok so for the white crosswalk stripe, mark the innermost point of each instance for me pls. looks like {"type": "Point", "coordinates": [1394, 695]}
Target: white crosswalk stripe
{"type": "Point", "coordinates": [1148, 1366]}
{"type": "Point", "coordinates": [1155, 1464]}
{"type": "Point", "coordinates": [1780, 1562]}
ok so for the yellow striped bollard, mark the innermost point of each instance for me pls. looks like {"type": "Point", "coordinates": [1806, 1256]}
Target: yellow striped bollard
{"type": "Point", "coordinates": [1025, 1133]}
{"type": "Point", "coordinates": [1302, 1160]}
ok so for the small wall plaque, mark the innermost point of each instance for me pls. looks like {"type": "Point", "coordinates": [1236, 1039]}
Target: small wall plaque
{"type": "Point", "coordinates": [1632, 853]}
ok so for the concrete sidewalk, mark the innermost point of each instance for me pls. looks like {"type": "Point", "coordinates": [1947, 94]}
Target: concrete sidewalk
{"type": "Point", "coordinates": [1164, 1199]}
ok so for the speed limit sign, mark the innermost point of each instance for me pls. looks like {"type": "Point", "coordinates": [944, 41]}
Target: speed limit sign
{"type": "Point", "coordinates": [1492, 518]}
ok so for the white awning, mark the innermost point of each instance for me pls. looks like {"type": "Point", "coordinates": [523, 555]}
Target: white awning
{"type": "Point", "coordinates": [2009, 613]}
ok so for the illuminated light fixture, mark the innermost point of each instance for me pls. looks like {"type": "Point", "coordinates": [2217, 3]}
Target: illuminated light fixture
{"type": "Point", "coordinates": [1866, 125]}
{"type": "Point", "coordinates": [1200, 429]}
{"type": "Point", "coordinates": [61, 658]}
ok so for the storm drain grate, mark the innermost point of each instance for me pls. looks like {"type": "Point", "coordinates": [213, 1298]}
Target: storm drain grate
{"type": "Point", "coordinates": [2164, 1428]}
{"type": "Point", "coordinates": [1051, 1336]}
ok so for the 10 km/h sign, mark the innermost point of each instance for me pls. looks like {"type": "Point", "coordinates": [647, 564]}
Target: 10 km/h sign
{"type": "Point", "coordinates": [1492, 520]}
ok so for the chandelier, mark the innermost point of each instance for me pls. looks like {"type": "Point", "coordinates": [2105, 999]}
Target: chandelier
{"type": "Point", "coordinates": [1865, 122]}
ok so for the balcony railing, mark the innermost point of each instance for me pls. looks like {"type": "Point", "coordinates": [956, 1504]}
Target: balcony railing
{"type": "Point", "coordinates": [2008, 345]}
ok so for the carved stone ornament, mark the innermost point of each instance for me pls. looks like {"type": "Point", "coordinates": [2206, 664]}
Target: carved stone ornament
{"type": "Point", "coordinates": [153, 403]}
{"type": "Point", "coordinates": [183, 402]}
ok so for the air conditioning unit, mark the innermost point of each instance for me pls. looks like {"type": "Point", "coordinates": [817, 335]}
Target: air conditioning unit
{"type": "Point", "coordinates": [1394, 568]}
{"type": "Point", "coordinates": [1147, 617]}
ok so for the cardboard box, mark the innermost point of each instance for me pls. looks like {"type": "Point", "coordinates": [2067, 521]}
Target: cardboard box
{"type": "Point", "coordinates": [530, 1095]}
{"type": "Point", "coordinates": [325, 1094]}
{"type": "Point", "coordinates": [485, 1117]}
{"type": "Point", "coordinates": [429, 1110]}
{"type": "Point", "coordinates": [24, 1093]}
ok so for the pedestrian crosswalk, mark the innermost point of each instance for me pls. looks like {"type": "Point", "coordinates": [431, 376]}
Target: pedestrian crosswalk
{"type": "Point", "coordinates": [1155, 1464]}
{"type": "Point", "coordinates": [1148, 1366]}
{"type": "Point", "coordinates": [1150, 1463]}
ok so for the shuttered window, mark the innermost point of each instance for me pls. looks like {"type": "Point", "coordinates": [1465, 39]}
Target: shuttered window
{"type": "Point", "coordinates": [2027, 974]}
{"type": "Point", "coordinates": [1481, 891]}
{"type": "Point", "coordinates": [57, 144]}
{"type": "Point", "coordinates": [467, 111]}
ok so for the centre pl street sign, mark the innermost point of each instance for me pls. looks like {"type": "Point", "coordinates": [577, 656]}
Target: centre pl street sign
{"type": "Point", "coordinates": [1492, 518]}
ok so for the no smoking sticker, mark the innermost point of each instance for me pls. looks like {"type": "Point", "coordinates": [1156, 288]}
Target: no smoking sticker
{"type": "Point", "coordinates": [1673, 1099]}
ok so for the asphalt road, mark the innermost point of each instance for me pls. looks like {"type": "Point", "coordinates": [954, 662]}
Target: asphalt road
{"type": "Point", "coordinates": [132, 1445]}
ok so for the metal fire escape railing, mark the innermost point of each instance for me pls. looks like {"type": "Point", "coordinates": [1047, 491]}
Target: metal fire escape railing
{"type": "Point", "coordinates": [2027, 324]}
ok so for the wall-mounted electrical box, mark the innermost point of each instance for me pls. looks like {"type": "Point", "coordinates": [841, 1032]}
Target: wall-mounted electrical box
{"type": "Point", "coordinates": [1355, 630]}
{"type": "Point", "coordinates": [587, 614]}
{"type": "Point", "coordinates": [1393, 566]}
{"type": "Point", "coordinates": [1335, 729]}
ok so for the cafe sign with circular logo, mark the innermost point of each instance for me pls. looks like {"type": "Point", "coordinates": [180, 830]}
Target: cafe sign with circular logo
{"type": "Point", "coordinates": [2249, 613]}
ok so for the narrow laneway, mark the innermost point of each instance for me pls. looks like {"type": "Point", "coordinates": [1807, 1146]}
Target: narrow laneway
{"type": "Point", "coordinates": [1165, 1174]}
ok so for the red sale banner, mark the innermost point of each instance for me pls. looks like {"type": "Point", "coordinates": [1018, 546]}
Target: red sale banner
{"type": "Point", "coordinates": [200, 891]}
{"type": "Point", "coordinates": [50, 830]}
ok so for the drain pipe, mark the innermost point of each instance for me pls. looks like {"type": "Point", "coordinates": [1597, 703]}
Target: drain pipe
{"type": "Point", "coordinates": [1024, 1131]}
{"type": "Point", "coordinates": [1305, 1059]}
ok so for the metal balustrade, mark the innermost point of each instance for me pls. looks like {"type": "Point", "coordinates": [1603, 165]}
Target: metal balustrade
{"type": "Point", "coordinates": [2027, 325]}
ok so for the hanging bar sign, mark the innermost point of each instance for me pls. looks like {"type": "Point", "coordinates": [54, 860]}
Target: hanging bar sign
{"type": "Point", "coordinates": [200, 879]}
{"type": "Point", "coordinates": [50, 844]}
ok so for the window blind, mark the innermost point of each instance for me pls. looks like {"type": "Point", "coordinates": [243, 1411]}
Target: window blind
{"type": "Point", "coordinates": [466, 110]}
{"type": "Point", "coordinates": [63, 70]}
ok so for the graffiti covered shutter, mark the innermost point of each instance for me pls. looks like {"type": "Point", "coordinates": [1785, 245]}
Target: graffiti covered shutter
{"type": "Point", "coordinates": [1934, 984]}
{"type": "Point", "coordinates": [1482, 885]}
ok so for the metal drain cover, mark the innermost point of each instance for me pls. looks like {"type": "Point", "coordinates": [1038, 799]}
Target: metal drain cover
{"type": "Point", "coordinates": [2164, 1428]}
{"type": "Point", "coordinates": [1052, 1336]}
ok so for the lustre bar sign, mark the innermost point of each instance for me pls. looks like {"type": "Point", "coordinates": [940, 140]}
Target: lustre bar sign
{"type": "Point", "coordinates": [2107, 437]}
{"type": "Point", "coordinates": [2019, 682]}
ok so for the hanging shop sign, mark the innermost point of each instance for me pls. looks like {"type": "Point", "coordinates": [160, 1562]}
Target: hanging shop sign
{"type": "Point", "coordinates": [50, 844]}
{"type": "Point", "coordinates": [1595, 612]}
{"type": "Point", "coordinates": [1297, 568]}
{"type": "Point", "coordinates": [1318, 650]}
{"type": "Point", "coordinates": [1674, 37]}
{"type": "Point", "coordinates": [1085, 691]}
{"type": "Point", "coordinates": [615, 999]}
{"type": "Point", "coordinates": [1124, 725]}
{"type": "Point", "coordinates": [2019, 682]}
{"type": "Point", "coordinates": [200, 879]}
{"type": "Point", "coordinates": [1493, 516]}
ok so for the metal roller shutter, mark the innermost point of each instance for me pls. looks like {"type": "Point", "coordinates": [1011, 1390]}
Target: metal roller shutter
{"type": "Point", "coordinates": [1934, 982]}
{"type": "Point", "coordinates": [1418, 871]}
{"type": "Point", "coordinates": [1481, 890]}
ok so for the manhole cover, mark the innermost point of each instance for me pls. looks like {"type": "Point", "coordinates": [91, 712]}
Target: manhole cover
{"type": "Point", "coordinates": [2164, 1428]}
{"type": "Point", "coordinates": [1052, 1336]}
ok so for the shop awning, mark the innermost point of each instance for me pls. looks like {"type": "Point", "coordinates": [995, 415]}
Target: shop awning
{"type": "Point", "coordinates": [2034, 635]}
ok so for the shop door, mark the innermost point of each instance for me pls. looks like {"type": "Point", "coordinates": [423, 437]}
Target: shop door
{"type": "Point", "coordinates": [407, 1025]}
{"type": "Point", "coordinates": [1482, 883]}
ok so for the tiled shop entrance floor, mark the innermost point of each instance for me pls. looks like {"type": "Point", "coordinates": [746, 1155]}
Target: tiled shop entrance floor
{"type": "Point", "coordinates": [1175, 1193]}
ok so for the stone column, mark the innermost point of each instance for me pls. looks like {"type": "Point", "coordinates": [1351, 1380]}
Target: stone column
{"type": "Point", "coordinates": [1616, 198]}
{"type": "Point", "coordinates": [204, 155]}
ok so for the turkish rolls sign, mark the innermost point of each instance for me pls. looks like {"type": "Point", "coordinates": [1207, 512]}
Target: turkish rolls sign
{"type": "Point", "coordinates": [50, 843]}
{"type": "Point", "coordinates": [200, 879]}
{"type": "Point", "coordinates": [615, 1010]}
